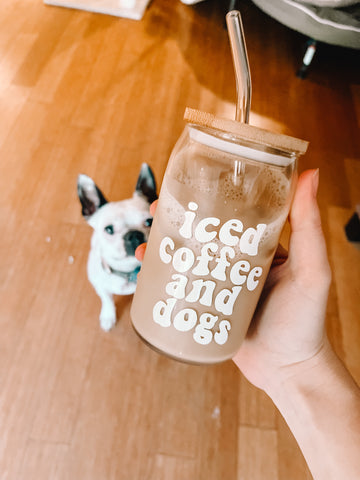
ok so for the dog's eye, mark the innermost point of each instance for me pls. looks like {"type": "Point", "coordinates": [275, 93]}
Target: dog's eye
{"type": "Point", "coordinates": [109, 229]}
{"type": "Point", "coordinates": [148, 222]}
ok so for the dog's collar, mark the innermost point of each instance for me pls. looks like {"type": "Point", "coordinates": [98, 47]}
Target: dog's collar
{"type": "Point", "coordinates": [130, 277]}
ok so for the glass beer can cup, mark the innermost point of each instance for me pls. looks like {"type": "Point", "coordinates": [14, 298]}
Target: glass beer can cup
{"type": "Point", "coordinates": [223, 203]}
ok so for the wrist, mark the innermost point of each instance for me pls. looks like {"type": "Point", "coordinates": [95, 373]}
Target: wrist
{"type": "Point", "coordinates": [320, 402]}
{"type": "Point", "coordinates": [308, 374]}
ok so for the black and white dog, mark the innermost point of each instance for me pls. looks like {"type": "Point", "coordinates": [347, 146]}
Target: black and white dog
{"type": "Point", "coordinates": [119, 228]}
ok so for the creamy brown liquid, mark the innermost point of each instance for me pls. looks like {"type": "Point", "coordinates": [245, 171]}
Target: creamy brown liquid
{"type": "Point", "coordinates": [220, 188]}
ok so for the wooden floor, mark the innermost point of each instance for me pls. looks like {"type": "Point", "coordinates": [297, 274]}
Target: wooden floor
{"type": "Point", "coordinates": [81, 92]}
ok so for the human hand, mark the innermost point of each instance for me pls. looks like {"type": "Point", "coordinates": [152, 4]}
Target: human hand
{"type": "Point", "coordinates": [288, 326]}
{"type": "Point", "coordinates": [140, 251]}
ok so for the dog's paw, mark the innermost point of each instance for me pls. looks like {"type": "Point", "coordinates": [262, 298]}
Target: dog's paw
{"type": "Point", "coordinates": [107, 322]}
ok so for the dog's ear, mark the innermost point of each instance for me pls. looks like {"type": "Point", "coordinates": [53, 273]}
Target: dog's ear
{"type": "Point", "coordinates": [146, 184]}
{"type": "Point", "coordinates": [90, 196]}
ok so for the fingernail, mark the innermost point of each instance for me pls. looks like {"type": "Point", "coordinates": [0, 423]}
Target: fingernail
{"type": "Point", "coordinates": [140, 252]}
{"type": "Point", "coordinates": [153, 207]}
{"type": "Point", "coordinates": [315, 182]}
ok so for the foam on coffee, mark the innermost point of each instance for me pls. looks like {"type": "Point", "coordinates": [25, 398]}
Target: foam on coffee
{"type": "Point", "coordinates": [271, 195]}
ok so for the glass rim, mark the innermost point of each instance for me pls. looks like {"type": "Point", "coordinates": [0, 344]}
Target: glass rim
{"type": "Point", "coordinates": [230, 143]}
{"type": "Point", "coordinates": [249, 133]}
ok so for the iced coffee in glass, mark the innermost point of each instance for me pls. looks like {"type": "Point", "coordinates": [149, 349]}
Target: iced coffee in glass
{"type": "Point", "coordinates": [223, 203]}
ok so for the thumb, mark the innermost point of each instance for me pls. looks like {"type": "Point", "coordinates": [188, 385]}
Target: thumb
{"type": "Point", "coordinates": [307, 249]}
{"type": "Point", "coordinates": [140, 252]}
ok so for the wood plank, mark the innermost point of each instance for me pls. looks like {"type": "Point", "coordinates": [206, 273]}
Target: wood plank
{"type": "Point", "coordinates": [43, 460]}
{"type": "Point", "coordinates": [346, 271]}
{"type": "Point", "coordinates": [255, 407]}
{"type": "Point", "coordinates": [291, 463]}
{"type": "Point", "coordinates": [352, 168]}
{"type": "Point", "coordinates": [40, 52]}
{"type": "Point", "coordinates": [163, 467]}
{"type": "Point", "coordinates": [355, 90]}
{"type": "Point", "coordinates": [57, 64]}
{"type": "Point", "coordinates": [15, 55]}
{"type": "Point", "coordinates": [257, 454]}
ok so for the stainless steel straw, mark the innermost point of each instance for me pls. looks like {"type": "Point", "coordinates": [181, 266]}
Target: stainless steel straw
{"type": "Point", "coordinates": [241, 65]}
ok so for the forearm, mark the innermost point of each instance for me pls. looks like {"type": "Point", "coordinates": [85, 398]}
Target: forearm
{"type": "Point", "coordinates": [321, 404]}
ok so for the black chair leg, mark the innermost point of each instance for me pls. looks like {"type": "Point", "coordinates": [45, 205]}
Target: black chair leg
{"type": "Point", "coordinates": [232, 5]}
{"type": "Point", "coordinates": [308, 57]}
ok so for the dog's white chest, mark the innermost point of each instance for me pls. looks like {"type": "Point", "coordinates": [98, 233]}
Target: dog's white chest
{"type": "Point", "coordinates": [103, 279]}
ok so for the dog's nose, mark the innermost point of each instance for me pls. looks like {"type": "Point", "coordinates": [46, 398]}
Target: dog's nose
{"type": "Point", "coordinates": [132, 239]}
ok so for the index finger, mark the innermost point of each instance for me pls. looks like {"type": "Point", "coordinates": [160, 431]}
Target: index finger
{"type": "Point", "coordinates": [153, 207]}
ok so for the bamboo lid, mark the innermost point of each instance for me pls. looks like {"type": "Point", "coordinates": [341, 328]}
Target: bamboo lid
{"type": "Point", "coordinates": [246, 131]}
